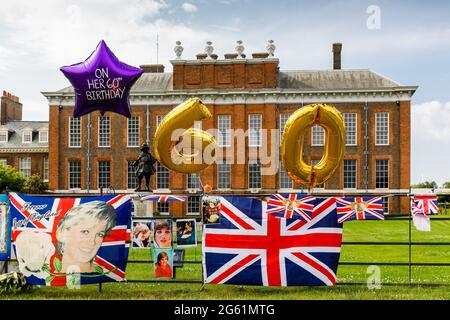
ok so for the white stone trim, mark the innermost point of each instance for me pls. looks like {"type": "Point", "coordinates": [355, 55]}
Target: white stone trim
{"type": "Point", "coordinates": [25, 150]}
{"type": "Point", "coordinates": [225, 61]}
{"type": "Point", "coordinates": [275, 96]}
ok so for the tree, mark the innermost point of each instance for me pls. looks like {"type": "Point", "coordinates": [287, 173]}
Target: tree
{"type": "Point", "coordinates": [34, 184]}
{"type": "Point", "coordinates": [11, 178]}
{"type": "Point", "coordinates": [425, 185]}
{"type": "Point", "coordinates": [446, 185]}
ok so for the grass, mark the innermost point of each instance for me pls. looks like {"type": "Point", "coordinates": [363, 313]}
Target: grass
{"type": "Point", "coordinates": [390, 230]}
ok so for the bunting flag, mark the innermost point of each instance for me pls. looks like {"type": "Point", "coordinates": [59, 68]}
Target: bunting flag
{"type": "Point", "coordinates": [164, 198]}
{"type": "Point", "coordinates": [424, 205]}
{"type": "Point", "coordinates": [359, 208]}
{"type": "Point", "coordinates": [251, 247]}
{"type": "Point", "coordinates": [291, 206]}
{"type": "Point", "coordinates": [70, 241]}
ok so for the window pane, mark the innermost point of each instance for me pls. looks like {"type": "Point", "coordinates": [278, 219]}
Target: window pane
{"type": "Point", "coordinates": [382, 128]}
{"type": "Point", "coordinates": [158, 120]}
{"type": "Point", "coordinates": [193, 205]}
{"type": "Point", "coordinates": [133, 131]}
{"type": "Point", "coordinates": [163, 207]}
{"type": "Point", "coordinates": [224, 126]}
{"type": "Point", "coordinates": [285, 180]}
{"type": "Point", "coordinates": [45, 170]}
{"type": "Point", "coordinates": [283, 118]}
{"type": "Point", "coordinates": [131, 176]}
{"type": "Point", "coordinates": [254, 175]}
{"type": "Point", "coordinates": [350, 120]}
{"type": "Point", "coordinates": [104, 174]}
{"type": "Point", "coordinates": [162, 177]}
{"type": "Point", "coordinates": [25, 167]}
{"type": "Point", "coordinates": [104, 131]}
{"type": "Point", "coordinates": [3, 136]}
{"type": "Point", "coordinates": [382, 174]}
{"type": "Point", "coordinates": [313, 163]}
{"type": "Point", "coordinates": [74, 132]}
{"type": "Point", "coordinates": [193, 181]}
{"type": "Point", "coordinates": [318, 135]}
{"type": "Point", "coordinates": [385, 202]}
{"type": "Point", "coordinates": [27, 136]}
{"type": "Point", "coordinates": [350, 174]}
{"type": "Point", "coordinates": [43, 136]}
{"type": "Point", "coordinates": [254, 130]}
{"type": "Point", "coordinates": [223, 174]}
{"type": "Point", "coordinates": [74, 174]}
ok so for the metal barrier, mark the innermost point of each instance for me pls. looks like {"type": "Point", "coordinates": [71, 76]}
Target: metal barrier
{"type": "Point", "coordinates": [408, 264]}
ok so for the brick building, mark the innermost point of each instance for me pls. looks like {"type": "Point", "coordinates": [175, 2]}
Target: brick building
{"type": "Point", "coordinates": [23, 144]}
{"type": "Point", "coordinates": [241, 93]}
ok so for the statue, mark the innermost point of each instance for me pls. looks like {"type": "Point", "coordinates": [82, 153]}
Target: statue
{"type": "Point", "coordinates": [144, 166]}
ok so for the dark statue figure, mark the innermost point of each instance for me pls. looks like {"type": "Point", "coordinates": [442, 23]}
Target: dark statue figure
{"type": "Point", "coordinates": [144, 166]}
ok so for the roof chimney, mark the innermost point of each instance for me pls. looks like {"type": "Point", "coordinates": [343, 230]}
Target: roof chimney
{"type": "Point", "coordinates": [337, 49]}
{"type": "Point", "coordinates": [153, 68]}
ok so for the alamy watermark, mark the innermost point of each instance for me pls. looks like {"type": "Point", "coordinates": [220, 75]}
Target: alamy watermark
{"type": "Point", "coordinates": [373, 22]}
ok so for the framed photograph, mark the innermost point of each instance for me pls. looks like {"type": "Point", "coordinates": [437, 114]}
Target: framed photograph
{"type": "Point", "coordinates": [178, 258]}
{"type": "Point", "coordinates": [211, 209]}
{"type": "Point", "coordinates": [162, 233]}
{"type": "Point", "coordinates": [5, 227]}
{"type": "Point", "coordinates": [141, 233]}
{"type": "Point", "coordinates": [186, 233]}
{"type": "Point", "coordinates": [163, 263]}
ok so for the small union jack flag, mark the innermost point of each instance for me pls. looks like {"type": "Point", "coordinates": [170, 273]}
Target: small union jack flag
{"type": "Point", "coordinates": [359, 208]}
{"type": "Point", "coordinates": [424, 205]}
{"type": "Point", "coordinates": [40, 243]}
{"type": "Point", "coordinates": [291, 206]}
{"type": "Point", "coordinates": [164, 198]}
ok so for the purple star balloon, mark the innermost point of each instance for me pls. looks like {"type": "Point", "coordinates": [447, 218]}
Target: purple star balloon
{"type": "Point", "coordinates": [102, 82]}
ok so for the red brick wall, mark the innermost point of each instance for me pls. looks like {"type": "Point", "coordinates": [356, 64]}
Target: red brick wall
{"type": "Point", "coordinates": [10, 110]}
{"type": "Point", "coordinates": [37, 160]}
{"type": "Point", "coordinates": [236, 74]}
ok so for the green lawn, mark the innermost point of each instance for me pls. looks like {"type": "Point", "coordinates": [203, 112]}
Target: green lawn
{"type": "Point", "coordinates": [391, 230]}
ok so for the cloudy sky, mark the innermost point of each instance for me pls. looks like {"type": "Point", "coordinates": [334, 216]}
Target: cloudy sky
{"type": "Point", "coordinates": [408, 41]}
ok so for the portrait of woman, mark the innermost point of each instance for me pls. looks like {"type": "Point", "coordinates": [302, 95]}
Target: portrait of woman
{"type": "Point", "coordinates": [162, 233]}
{"type": "Point", "coordinates": [211, 209]}
{"type": "Point", "coordinates": [80, 234]}
{"type": "Point", "coordinates": [141, 235]}
{"type": "Point", "coordinates": [186, 233]}
{"type": "Point", "coordinates": [163, 263]}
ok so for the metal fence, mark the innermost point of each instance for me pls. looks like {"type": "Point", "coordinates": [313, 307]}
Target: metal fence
{"type": "Point", "coordinates": [444, 210]}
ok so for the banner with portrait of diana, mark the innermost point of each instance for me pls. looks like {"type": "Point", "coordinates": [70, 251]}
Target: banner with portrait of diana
{"type": "Point", "coordinates": [71, 241]}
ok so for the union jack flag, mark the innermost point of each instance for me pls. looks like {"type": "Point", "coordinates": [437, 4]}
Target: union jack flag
{"type": "Point", "coordinates": [164, 198]}
{"type": "Point", "coordinates": [291, 206]}
{"type": "Point", "coordinates": [251, 247]}
{"type": "Point", "coordinates": [43, 215]}
{"type": "Point", "coordinates": [424, 205]}
{"type": "Point", "coordinates": [359, 208]}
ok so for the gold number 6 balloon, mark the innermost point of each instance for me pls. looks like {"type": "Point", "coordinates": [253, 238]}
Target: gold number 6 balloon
{"type": "Point", "coordinates": [183, 116]}
{"type": "Point", "coordinates": [292, 144]}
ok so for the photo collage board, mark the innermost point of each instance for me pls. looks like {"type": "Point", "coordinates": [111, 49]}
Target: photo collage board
{"type": "Point", "coordinates": [166, 238]}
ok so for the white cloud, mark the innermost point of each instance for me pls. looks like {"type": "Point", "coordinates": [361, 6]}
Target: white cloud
{"type": "Point", "coordinates": [430, 141]}
{"type": "Point", "coordinates": [189, 7]}
{"type": "Point", "coordinates": [431, 120]}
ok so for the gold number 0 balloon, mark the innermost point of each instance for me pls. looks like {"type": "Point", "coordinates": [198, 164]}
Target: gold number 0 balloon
{"type": "Point", "coordinates": [292, 144]}
{"type": "Point", "coordinates": [183, 116]}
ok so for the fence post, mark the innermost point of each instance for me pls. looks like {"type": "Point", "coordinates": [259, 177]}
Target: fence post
{"type": "Point", "coordinates": [409, 237]}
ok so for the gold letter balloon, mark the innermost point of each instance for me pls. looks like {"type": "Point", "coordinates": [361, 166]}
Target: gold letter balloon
{"type": "Point", "coordinates": [181, 117]}
{"type": "Point", "coordinates": [294, 135]}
